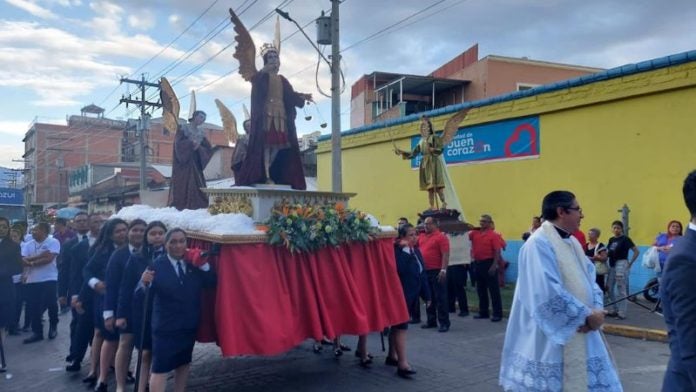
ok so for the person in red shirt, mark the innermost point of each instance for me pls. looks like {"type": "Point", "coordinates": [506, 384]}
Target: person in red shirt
{"type": "Point", "coordinates": [485, 251]}
{"type": "Point", "coordinates": [434, 247]}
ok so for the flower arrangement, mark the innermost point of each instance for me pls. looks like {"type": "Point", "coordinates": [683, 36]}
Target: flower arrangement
{"type": "Point", "coordinates": [302, 228]}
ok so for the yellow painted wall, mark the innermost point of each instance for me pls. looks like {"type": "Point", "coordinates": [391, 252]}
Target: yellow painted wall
{"type": "Point", "coordinates": [627, 140]}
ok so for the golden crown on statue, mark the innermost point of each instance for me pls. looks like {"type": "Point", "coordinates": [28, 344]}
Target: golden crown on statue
{"type": "Point", "coordinates": [266, 48]}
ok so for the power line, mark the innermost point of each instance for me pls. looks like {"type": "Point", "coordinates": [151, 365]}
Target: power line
{"type": "Point", "coordinates": [391, 26]}
{"type": "Point", "coordinates": [261, 21]}
{"type": "Point", "coordinates": [175, 39]}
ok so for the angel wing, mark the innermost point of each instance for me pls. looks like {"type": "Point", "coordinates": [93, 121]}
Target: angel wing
{"type": "Point", "coordinates": [229, 122]}
{"type": "Point", "coordinates": [170, 106]}
{"type": "Point", "coordinates": [245, 51]}
{"type": "Point", "coordinates": [452, 125]}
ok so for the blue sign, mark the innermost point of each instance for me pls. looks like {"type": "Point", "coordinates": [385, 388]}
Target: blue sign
{"type": "Point", "coordinates": [11, 196]}
{"type": "Point", "coordinates": [499, 141]}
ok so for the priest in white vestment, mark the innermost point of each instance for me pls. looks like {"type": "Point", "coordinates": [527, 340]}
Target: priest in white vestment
{"type": "Point", "coordinates": [553, 340]}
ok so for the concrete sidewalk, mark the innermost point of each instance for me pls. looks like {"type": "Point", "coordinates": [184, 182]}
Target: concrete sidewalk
{"type": "Point", "coordinates": [640, 323]}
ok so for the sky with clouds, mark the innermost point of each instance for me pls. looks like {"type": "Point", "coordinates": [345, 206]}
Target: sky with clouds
{"type": "Point", "coordinates": [57, 56]}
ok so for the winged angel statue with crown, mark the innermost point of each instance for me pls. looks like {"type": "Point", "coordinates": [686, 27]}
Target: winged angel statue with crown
{"type": "Point", "coordinates": [433, 175]}
{"type": "Point", "coordinates": [273, 153]}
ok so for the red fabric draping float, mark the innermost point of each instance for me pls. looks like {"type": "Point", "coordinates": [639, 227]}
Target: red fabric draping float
{"type": "Point", "coordinates": [268, 300]}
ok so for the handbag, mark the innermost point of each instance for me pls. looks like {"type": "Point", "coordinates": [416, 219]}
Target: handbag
{"type": "Point", "coordinates": [601, 267]}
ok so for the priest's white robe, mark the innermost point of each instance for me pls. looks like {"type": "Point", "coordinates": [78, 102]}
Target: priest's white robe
{"type": "Point", "coordinates": [544, 318]}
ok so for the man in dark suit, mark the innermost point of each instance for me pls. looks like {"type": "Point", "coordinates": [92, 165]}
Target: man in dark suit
{"type": "Point", "coordinates": [679, 302]}
{"type": "Point", "coordinates": [84, 329]}
{"type": "Point", "coordinates": [64, 269]}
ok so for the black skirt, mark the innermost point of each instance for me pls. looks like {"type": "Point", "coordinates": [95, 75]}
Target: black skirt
{"type": "Point", "coordinates": [111, 336]}
{"type": "Point", "coordinates": [171, 350]}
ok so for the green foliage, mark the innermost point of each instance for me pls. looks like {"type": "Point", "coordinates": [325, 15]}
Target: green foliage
{"type": "Point", "coordinates": [308, 228]}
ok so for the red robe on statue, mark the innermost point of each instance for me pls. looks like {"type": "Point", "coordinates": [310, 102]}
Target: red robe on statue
{"type": "Point", "coordinates": [287, 166]}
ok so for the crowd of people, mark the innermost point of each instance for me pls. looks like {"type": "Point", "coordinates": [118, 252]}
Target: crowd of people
{"type": "Point", "coordinates": [129, 285]}
{"type": "Point", "coordinates": [137, 285]}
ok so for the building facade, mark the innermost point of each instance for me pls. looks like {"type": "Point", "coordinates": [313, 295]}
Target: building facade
{"type": "Point", "coordinates": [382, 96]}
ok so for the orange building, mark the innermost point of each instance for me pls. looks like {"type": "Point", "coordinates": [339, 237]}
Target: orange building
{"type": "Point", "coordinates": [381, 96]}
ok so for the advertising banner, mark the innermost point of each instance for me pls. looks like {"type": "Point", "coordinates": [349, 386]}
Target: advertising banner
{"type": "Point", "coordinates": [499, 141]}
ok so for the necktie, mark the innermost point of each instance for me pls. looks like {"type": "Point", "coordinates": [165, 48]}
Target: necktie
{"type": "Point", "coordinates": [420, 266]}
{"type": "Point", "coordinates": [180, 271]}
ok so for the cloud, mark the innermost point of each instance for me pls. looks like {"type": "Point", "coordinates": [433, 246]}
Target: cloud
{"type": "Point", "coordinates": [33, 9]}
{"type": "Point", "coordinates": [144, 21]}
{"type": "Point", "coordinates": [13, 128]}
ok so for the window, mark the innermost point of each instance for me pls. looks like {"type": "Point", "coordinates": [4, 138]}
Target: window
{"type": "Point", "coordinates": [526, 86]}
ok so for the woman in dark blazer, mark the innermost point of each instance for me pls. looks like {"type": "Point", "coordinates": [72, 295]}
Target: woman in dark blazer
{"type": "Point", "coordinates": [10, 264]}
{"type": "Point", "coordinates": [175, 283]}
{"type": "Point", "coordinates": [409, 266]}
{"type": "Point", "coordinates": [130, 308]}
{"type": "Point", "coordinates": [113, 236]}
{"type": "Point", "coordinates": [114, 275]}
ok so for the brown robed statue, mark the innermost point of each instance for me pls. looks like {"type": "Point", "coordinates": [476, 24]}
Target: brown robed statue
{"type": "Point", "coordinates": [191, 154]}
{"type": "Point", "coordinates": [273, 153]}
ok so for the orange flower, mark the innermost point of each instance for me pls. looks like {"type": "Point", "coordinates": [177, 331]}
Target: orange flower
{"type": "Point", "coordinates": [340, 207]}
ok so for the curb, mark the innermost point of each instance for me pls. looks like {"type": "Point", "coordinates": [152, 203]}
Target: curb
{"type": "Point", "coordinates": [626, 331]}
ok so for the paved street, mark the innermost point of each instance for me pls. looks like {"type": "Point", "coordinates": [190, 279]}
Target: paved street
{"type": "Point", "coordinates": [466, 358]}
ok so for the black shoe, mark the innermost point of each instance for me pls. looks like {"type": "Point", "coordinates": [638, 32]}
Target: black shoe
{"type": "Point", "coordinates": [52, 332]}
{"type": "Point", "coordinates": [3, 369]}
{"type": "Point", "coordinates": [101, 387]}
{"type": "Point", "coordinates": [33, 339]}
{"type": "Point", "coordinates": [317, 347]}
{"type": "Point", "coordinates": [326, 342]}
{"type": "Point", "coordinates": [405, 373]}
{"type": "Point", "coordinates": [481, 316]}
{"type": "Point", "coordinates": [496, 319]}
{"type": "Point", "coordinates": [91, 381]}
{"type": "Point", "coordinates": [73, 367]}
{"type": "Point", "coordinates": [414, 321]}
{"type": "Point", "coordinates": [443, 328]}
{"type": "Point", "coordinates": [343, 347]}
{"type": "Point", "coordinates": [389, 361]}
{"type": "Point", "coordinates": [129, 378]}
{"type": "Point", "coordinates": [338, 352]}
{"type": "Point", "coordinates": [366, 362]}
{"type": "Point", "coordinates": [463, 314]}
{"type": "Point", "coordinates": [358, 354]}
{"type": "Point", "coordinates": [428, 326]}
{"type": "Point", "coordinates": [69, 358]}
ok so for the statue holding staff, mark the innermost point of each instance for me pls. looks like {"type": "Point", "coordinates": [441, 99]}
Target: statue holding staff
{"type": "Point", "coordinates": [432, 176]}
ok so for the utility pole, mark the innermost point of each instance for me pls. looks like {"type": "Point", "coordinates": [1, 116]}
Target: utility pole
{"type": "Point", "coordinates": [144, 120]}
{"type": "Point", "coordinates": [336, 172]}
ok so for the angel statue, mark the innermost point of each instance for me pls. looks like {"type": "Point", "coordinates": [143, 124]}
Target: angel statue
{"type": "Point", "coordinates": [273, 153]}
{"type": "Point", "coordinates": [191, 154]}
{"type": "Point", "coordinates": [432, 170]}
{"type": "Point", "coordinates": [240, 142]}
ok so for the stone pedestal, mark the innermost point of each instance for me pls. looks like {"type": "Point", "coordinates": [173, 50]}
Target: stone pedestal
{"type": "Point", "coordinates": [258, 201]}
